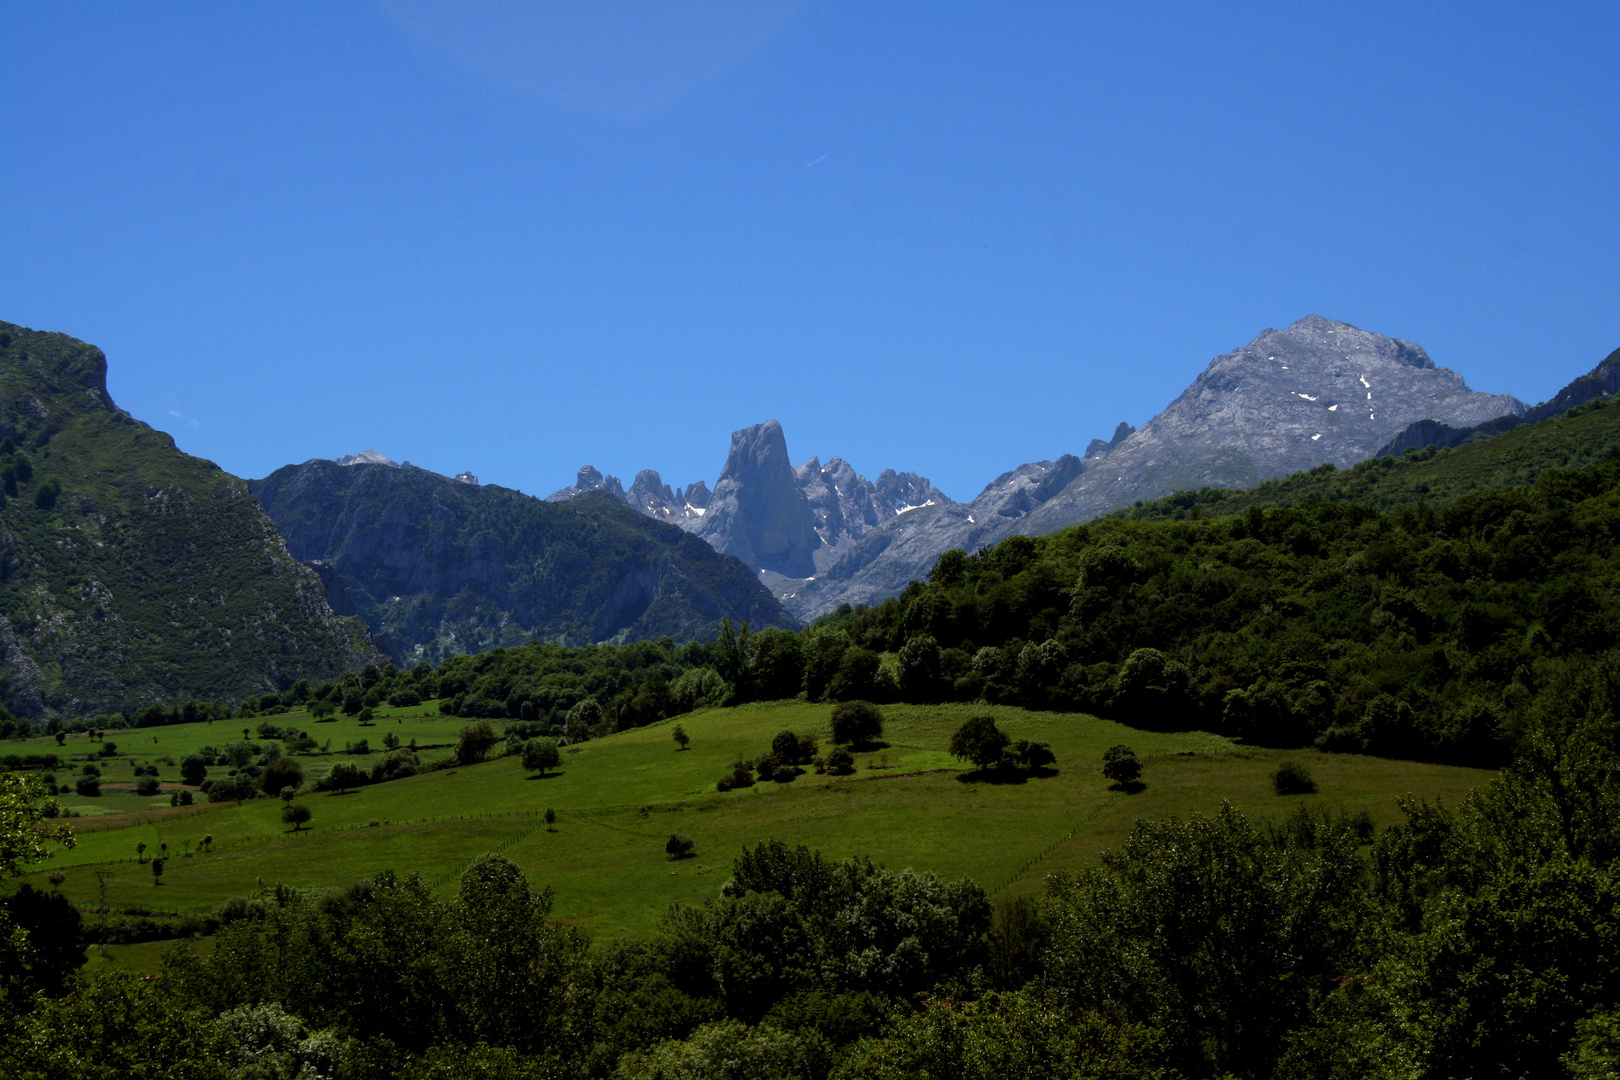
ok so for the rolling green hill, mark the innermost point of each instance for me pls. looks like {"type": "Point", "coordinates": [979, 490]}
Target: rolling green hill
{"type": "Point", "coordinates": [130, 572]}
{"type": "Point", "coordinates": [618, 799]}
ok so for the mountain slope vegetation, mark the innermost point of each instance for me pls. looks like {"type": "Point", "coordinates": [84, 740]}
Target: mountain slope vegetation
{"type": "Point", "coordinates": [130, 572]}
{"type": "Point", "coordinates": [439, 567]}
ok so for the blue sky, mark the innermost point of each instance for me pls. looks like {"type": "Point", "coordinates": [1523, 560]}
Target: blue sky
{"type": "Point", "coordinates": [949, 238]}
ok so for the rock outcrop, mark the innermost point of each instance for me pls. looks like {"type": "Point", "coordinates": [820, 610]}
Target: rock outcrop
{"type": "Point", "coordinates": [757, 512]}
{"type": "Point", "coordinates": [131, 573]}
{"type": "Point", "coordinates": [1601, 381]}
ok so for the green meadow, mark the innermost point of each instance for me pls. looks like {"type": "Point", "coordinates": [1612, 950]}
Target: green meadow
{"type": "Point", "coordinates": [617, 800]}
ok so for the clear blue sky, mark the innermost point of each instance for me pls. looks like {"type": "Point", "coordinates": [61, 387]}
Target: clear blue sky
{"type": "Point", "coordinates": [941, 237]}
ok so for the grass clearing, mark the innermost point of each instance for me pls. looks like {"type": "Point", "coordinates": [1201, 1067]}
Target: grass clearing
{"type": "Point", "coordinates": [618, 799]}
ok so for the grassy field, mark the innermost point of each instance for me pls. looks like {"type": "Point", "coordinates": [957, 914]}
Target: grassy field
{"type": "Point", "coordinates": [619, 798]}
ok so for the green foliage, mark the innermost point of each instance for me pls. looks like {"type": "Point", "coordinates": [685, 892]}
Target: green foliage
{"type": "Point", "coordinates": [343, 776]}
{"type": "Point", "coordinates": [297, 815]}
{"type": "Point", "coordinates": [979, 741]}
{"type": "Point", "coordinates": [1414, 632]}
{"type": "Point", "coordinates": [1292, 778]}
{"type": "Point", "coordinates": [678, 847]}
{"type": "Point", "coordinates": [1121, 766]}
{"type": "Point", "coordinates": [282, 773]}
{"type": "Point", "coordinates": [540, 755]}
{"type": "Point", "coordinates": [856, 723]}
{"type": "Point", "coordinates": [160, 570]}
{"type": "Point", "coordinates": [475, 741]}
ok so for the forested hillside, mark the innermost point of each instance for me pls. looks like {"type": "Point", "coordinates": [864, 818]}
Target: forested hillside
{"type": "Point", "coordinates": [439, 567]}
{"type": "Point", "coordinates": [130, 572]}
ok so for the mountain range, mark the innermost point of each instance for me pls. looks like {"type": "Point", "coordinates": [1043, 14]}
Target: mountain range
{"type": "Point", "coordinates": [439, 565]}
{"type": "Point", "coordinates": [822, 536]}
{"type": "Point", "coordinates": [131, 572]}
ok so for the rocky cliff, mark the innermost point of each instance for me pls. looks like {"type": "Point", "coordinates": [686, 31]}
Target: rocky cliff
{"type": "Point", "coordinates": [131, 573]}
{"type": "Point", "coordinates": [438, 567]}
{"type": "Point", "coordinates": [1292, 399]}
{"type": "Point", "coordinates": [1601, 381]}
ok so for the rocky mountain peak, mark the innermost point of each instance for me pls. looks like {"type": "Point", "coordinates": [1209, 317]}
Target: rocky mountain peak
{"type": "Point", "coordinates": [1317, 391]}
{"type": "Point", "coordinates": [366, 457]}
{"type": "Point", "coordinates": [757, 512]}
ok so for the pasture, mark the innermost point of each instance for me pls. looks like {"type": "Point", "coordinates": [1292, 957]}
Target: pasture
{"type": "Point", "coordinates": [617, 799]}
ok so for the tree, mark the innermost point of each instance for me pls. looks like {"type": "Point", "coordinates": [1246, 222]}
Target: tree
{"type": "Point", "coordinates": [353, 702]}
{"type": "Point", "coordinates": [551, 820]}
{"type": "Point", "coordinates": [140, 851]}
{"type": "Point", "coordinates": [540, 755]}
{"type": "Point", "coordinates": [582, 718]}
{"type": "Point", "coordinates": [283, 772]}
{"type": "Point", "coordinates": [474, 742]}
{"type": "Point", "coordinates": [920, 669]}
{"type": "Point", "coordinates": [1121, 766]}
{"type": "Point", "coordinates": [678, 847]}
{"type": "Point", "coordinates": [193, 769]}
{"type": "Point", "coordinates": [344, 775]}
{"type": "Point", "coordinates": [390, 741]}
{"type": "Point", "coordinates": [788, 749]}
{"type": "Point", "coordinates": [856, 722]}
{"type": "Point", "coordinates": [979, 740]}
{"type": "Point", "coordinates": [61, 738]}
{"type": "Point", "coordinates": [840, 761]}
{"type": "Point", "coordinates": [1292, 778]}
{"type": "Point", "coordinates": [681, 737]}
{"type": "Point", "coordinates": [157, 871]}
{"type": "Point", "coordinates": [295, 814]}
{"type": "Point", "coordinates": [321, 708]}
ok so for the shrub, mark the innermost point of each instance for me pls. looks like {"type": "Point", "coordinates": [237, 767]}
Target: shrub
{"type": "Point", "coordinates": [1292, 778]}
{"type": "Point", "coordinates": [739, 777]}
{"type": "Point", "coordinates": [147, 786]}
{"type": "Point", "coordinates": [231, 789]}
{"type": "Point", "coordinates": [855, 722]}
{"type": "Point", "coordinates": [840, 761]}
{"type": "Point", "coordinates": [88, 785]}
{"type": "Point", "coordinates": [678, 847]}
{"type": "Point", "coordinates": [1121, 765]}
{"type": "Point", "coordinates": [296, 815]}
{"type": "Point", "coordinates": [395, 765]}
{"type": "Point", "coordinates": [344, 775]}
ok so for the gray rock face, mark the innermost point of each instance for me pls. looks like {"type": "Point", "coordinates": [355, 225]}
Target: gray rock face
{"type": "Point", "coordinates": [883, 560]}
{"type": "Point", "coordinates": [1601, 381]}
{"type": "Point", "coordinates": [1291, 399]}
{"type": "Point", "coordinates": [366, 457]}
{"type": "Point", "coordinates": [846, 506]}
{"type": "Point", "coordinates": [758, 512]}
